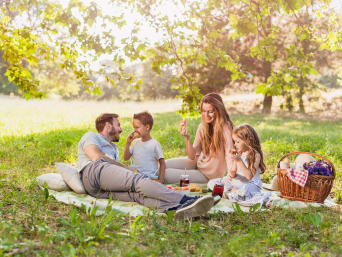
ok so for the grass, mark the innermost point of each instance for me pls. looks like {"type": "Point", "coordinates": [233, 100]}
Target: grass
{"type": "Point", "coordinates": [35, 135]}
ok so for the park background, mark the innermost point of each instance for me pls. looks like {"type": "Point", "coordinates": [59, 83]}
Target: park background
{"type": "Point", "coordinates": [277, 65]}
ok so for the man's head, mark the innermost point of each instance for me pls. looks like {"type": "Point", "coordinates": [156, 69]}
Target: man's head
{"type": "Point", "coordinates": [108, 125]}
{"type": "Point", "coordinates": [142, 123]}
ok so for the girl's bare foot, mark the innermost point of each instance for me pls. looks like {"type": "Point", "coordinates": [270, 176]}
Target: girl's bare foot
{"type": "Point", "coordinates": [269, 204]}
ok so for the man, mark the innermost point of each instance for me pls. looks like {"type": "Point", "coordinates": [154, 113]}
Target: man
{"type": "Point", "coordinates": [103, 175]}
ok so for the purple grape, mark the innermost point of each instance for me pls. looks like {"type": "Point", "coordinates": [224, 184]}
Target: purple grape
{"type": "Point", "coordinates": [319, 167]}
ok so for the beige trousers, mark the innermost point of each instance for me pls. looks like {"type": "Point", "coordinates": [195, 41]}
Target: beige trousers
{"type": "Point", "coordinates": [183, 165]}
{"type": "Point", "coordinates": [102, 179]}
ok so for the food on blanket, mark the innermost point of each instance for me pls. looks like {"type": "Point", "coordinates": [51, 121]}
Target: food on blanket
{"type": "Point", "coordinates": [181, 188]}
{"type": "Point", "coordinates": [301, 159]}
{"type": "Point", "coordinates": [319, 167]}
{"type": "Point", "coordinates": [195, 189]}
{"type": "Point", "coordinates": [170, 187]}
{"type": "Point", "coordinates": [218, 189]}
{"type": "Point", "coordinates": [204, 190]}
{"type": "Point", "coordinates": [184, 180]}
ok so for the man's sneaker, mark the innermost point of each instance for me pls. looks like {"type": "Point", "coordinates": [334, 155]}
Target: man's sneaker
{"type": "Point", "coordinates": [194, 207]}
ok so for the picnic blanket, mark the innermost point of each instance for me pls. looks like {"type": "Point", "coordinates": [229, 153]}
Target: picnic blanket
{"type": "Point", "coordinates": [135, 209]}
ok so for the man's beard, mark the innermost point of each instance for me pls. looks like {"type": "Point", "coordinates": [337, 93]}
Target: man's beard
{"type": "Point", "coordinates": [116, 139]}
{"type": "Point", "coordinates": [115, 136]}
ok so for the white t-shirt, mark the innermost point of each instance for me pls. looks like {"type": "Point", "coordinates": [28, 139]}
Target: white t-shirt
{"type": "Point", "coordinates": [146, 156]}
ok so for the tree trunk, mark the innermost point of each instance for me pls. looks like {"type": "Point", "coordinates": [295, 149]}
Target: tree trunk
{"type": "Point", "coordinates": [267, 104]}
{"type": "Point", "coordinates": [301, 94]}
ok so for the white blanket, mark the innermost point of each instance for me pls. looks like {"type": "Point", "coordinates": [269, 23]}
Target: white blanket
{"type": "Point", "coordinates": [134, 209]}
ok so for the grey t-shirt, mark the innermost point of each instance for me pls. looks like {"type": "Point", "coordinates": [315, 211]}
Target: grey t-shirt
{"type": "Point", "coordinates": [91, 138]}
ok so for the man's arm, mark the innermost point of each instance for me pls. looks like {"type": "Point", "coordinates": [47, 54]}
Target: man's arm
{"type": "Point", "coordinates": [94, 153]}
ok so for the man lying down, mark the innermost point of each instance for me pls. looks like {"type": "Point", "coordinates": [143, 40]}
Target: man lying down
{"type": "Point", "coordinates": [103, 175]}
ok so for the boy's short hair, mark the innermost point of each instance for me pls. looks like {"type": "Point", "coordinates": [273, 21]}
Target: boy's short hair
{"type": "Point", "coordinates": [100, 121]}
{"type": "Point", "coordinates": [145, 118]}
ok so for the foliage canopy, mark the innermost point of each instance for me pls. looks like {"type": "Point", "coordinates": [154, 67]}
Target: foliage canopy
{"type": "Point", "coordinates": [280, 46]}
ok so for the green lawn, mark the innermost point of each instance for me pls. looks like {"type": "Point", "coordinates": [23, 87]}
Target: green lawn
{"type": "Point", "coordinates": [35, 135]}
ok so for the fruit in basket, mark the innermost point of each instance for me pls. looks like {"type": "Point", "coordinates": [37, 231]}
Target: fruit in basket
{"type": "Point", "coordinates": [319, 167]}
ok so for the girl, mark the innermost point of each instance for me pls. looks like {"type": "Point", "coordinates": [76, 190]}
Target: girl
{"type": "Point", "coordinates": [243, 181]}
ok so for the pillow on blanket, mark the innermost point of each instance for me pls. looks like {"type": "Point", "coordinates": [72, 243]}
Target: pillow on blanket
{"type": "Point", "coordinates": [54, 181]}
{"type": "Point", "coordinates": [71, 177]}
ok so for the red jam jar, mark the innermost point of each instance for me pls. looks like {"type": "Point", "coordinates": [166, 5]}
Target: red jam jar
{"type": "Point", "coordinates": [218, 189]}
{"type": "Point", "coordinates": [184, 180]}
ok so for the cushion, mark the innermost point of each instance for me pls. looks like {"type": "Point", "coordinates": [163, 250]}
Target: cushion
{"type": "Point", "coordinates": [54, 181]}
{"type": "Point", "coordinates": [71, 177]}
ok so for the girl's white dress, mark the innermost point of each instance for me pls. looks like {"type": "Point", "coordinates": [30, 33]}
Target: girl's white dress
{"type": "Point", "coordinates": [247, 189]}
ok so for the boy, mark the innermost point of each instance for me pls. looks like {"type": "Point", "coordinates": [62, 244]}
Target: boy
{"type": "Point", "coordinates": [146, 151]}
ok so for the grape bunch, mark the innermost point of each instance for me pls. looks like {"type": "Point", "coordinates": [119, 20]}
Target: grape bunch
{"type": "Point", "coordinates": [319, 167]}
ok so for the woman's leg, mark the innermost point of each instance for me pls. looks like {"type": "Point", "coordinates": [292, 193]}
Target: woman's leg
{"type": "Point", "coordinates": [183, 165]}
{"type": "Point", "coordinates": [172, 176]}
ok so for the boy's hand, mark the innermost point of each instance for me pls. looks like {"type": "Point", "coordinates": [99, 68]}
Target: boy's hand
{"type": "Point", "coordinates": [131, 137]}
{"type": "Point", "coordinates": [183, 130]}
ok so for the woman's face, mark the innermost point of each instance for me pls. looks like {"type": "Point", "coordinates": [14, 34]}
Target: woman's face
{"type": "Point", "coordinates": [208, 113]}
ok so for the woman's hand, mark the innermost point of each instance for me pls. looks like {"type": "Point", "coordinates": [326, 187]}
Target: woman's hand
{"type": "Point", "coordinates": [183, 130]}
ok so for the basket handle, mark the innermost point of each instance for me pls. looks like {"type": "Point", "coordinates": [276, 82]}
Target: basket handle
{"type": "Point", "coordinates": [313, 154]}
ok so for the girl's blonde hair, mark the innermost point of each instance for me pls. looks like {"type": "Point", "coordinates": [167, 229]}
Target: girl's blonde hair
{"type": "Point", "coordinates": [249, 137]}
{"type": "Point", "coordinates": [212, 138]}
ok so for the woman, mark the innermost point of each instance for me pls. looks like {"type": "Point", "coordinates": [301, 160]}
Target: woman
{"type": "Point", "coordinates": [208, 156]}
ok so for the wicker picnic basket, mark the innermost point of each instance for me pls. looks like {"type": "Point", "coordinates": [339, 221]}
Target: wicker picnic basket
{"type": "Point", "coordinates": [316, 189]}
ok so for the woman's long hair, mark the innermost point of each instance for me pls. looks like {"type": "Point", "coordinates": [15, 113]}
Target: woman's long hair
{"type": "Point", "coordinates": [212, 138]}
{"type": "Point", "coordinates": [248, 135]}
